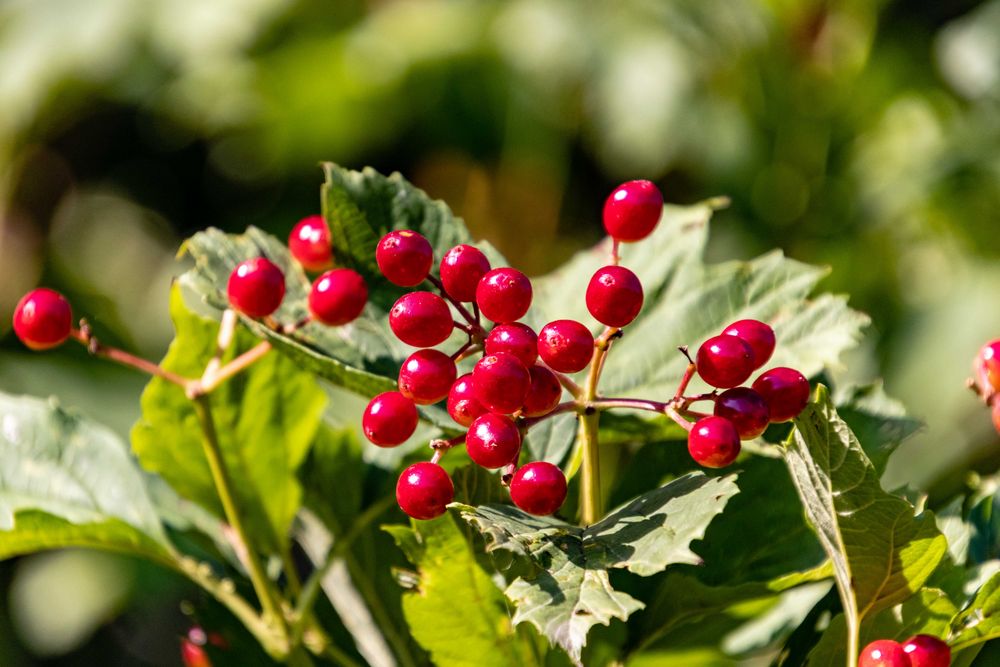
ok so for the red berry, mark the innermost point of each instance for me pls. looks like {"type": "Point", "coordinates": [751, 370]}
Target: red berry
{"type": "Point", "coordinates": [462, 268]}
{"type": "Point", "coordinates": [463, 406]}
{"type": "Point", "coordinates": [309, 243]}
{"type": "Point", "coordinates": [424, 490]}
{"type": "Point", "coordinates": [987, 366]}
{"type": "Point", "coordinates": [756, 334]}
{"type": "Point", "coordinates": [565, 345]}
{"type": "Point", "coordinates": [493, 441]}
{"type": "Point", "coordinates": [256, 287]}
{"type": "Point", "coordinates": [504, 295]}
{"type": "Point", "coordinates": [883, 653]}
{"type": "Point", "coordinates": [995, 411]}
{"type": "Point", "coordinates": [43, 319]}
{"type": "Point", "coordinates": [725, 361]}
{"type": "Point", "coordinates": [389, 419]}
{"type": "Point", "coordinates": [421, 319]}
{"type": "Point", "coordinates": [746, 409]}
{"type": "Point", "coordinates": [338, 297]}
{"type": "Point", "coordinates": [632, 211]}
{"type": "Point", "coordinates": [501, 383]}
{"type": "Point", "coordinates": [714, 442]}
{"type": "Point", "coordinates": [404, 257]}
{"type": "Point", "coordinates": [614, 296]}
{"type": "Point", "coordinates": [786, 391]}
{"type": "Point", "coordinates": [514, 338]}
{"type": "Point", "coordinates": [193, 655]}
{"type": "Point", "coordinates": [927, 651]}
{"type": "Point", "coordinates": [426, 376]}
{"type": "Point", "coordinates": [538, 488]}
{"type": "Point", "coordinates": [543, 394]}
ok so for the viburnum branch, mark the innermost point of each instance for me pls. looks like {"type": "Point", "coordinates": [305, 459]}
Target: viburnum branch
{"type": "Point", "coordinates": [524, 423]}
{"type": "Point", "coordinates": [629, 403]}
{"type": "Point", "coordinates": [240, 363]}
{"type": "Point", "coordinates": [441, 446]}
{"type": "Point", "coordinates": [671, 412]}
{"type": "Point", "coordinates": [615, 255]}
{"type": "Point", "coordinates": [686, 379]}
{"type": "Point", "coordinates": [227, 330]}
{"type": "Point", "coordinates": [98, 349]}
{"type": "Point", "coordinates": [462, 310]}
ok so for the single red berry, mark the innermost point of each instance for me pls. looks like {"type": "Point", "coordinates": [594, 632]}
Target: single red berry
{"type": "Point", "coordinates": [463, 406]}
{"type": "Point", "coordinates": [786, 391]}
{"type": "Point", "coordinates": [462, 268]}
{"type": "Point", "coordinates": [338, 297]}
{"type": "Point", "coordinates": [514, 338]}
{"type": "Point", "coordinates": [504, 295]}
{"type": "Point", "coordinates": [404, 257]}
{"type": "Point", "coordinates": [421, 319]}
{"type": "Point", "coordinates": [424, 490]}
{"type": "Point", "coordinates": [538, 488]}
{"type": "Point", "coordinates": [566, 345]}
{"type": "Point", "coordinates": [389, 419]}
{"type": "Point", "coordinates": [493, 441]}
{"type": "Point", "coordinates": [632, 211]}
{"type": "Point", "coordinates": [746, 409]}
{"type": "Point", "coordinates": [193, 655]}
{"type": "Point", "coordinates": [614, 296]}
{"type": "Point", "coordinates": [883, 653]}
{"type": "Point", "coordinates": [725, 361]}
{"type": "Point", "coordinates": [256, 287]}
{"type": "Point", "coordinates": [714, 442]}
{"type": "Point", "coordinates": [987, 366]}
{"type": "Point", "coordinates": [43, 319]}
{"type": "Point", "coordinates": [426, 376]}
{"type": "Point", "coordinates": [501, 383]}
{"type": "Point", "coordinates": [543, 394]}
{"type": "Point", "coordinates": [995, 411]}
{"type": "Point", "coordinates": [310, 244]}
{"type": "Point", "coordinates": [756, 334]}
{"type": "Point", "coordinates": [927, 651]}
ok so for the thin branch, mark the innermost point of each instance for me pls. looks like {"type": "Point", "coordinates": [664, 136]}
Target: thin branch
{"type": "Point", "coordinates": [240, 363]}
{"type": "Point", "coordinates": [98, 349]}
{"type": "Point", "coordinates": [462, 310]}
{"type": "Point", "coordinates": [683, 423]}
{"type": "Point", "coordinates": [569, 406]}
{"type": "Point", "coordinates": [629, 403]}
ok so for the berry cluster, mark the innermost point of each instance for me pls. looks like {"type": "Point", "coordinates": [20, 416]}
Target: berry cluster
{"type": "Point", "coordinates": [986, 378]}
{"type": "Point", "coordinates": [917, 651]}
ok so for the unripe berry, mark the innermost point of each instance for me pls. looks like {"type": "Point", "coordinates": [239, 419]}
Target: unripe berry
{"type": "Point", "coordinates": [389, 419]}
{"type": "Point", "coordinates": [462, 268]}
{"type": "Point", "coordinates": [421, 319]}
{"type": "Point", "coordinates": [424, 490]}
{"type": "Point", "coordinates": [987, 366]}
{"type": "Point", "coordinates": [927, 651]}
{"type": "Point", "coordinates": [543, 393]}
{"type": "Point", "coordinates": [538, 488]}
{"type": "Point", "coordinates": [746, 409]}
{"type": "Point", "coordinates": [493, 441]}
{"type": "Point", "coordinates": [514, 338]}
{"type": "Point", "coordinates": [632, 211]}
{"type": "Point", "coordinates": [724, 361]}
{"type": "Point", "coordinates": [309, 243]}
{"type": "Point", "coordinates": [463, 406]}
{"type": "Point", "coordinates": [786, 391]}
{"type": "Point", "coordinates": [565, 345]}
{"type": "Point", "coordinates": [504, 295]}
{"type": "Point", "coordinates": [756, 334]}
{"type": "Point", "coordinates": [43, 319]}
{"type": "Point", "coordinates": [883, 653]}
{"type": "Point", "coordinates": [714, 442]}
{"type": "Point", "coordinates": [614, 296]}
{"type": "Point", "coordinates": [338, 297]}
{"type": "Point", "coordinates": [404, 257]}
{"type": "Point", "coordinates": [501, 383]}
{"type": "Point", "coordinates": [256, 287]}
{"type": "Point", "coordinates": [426, 376]}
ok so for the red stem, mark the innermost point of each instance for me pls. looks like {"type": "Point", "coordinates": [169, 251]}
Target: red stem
{"type": "Point", "coordinates": [98, 349]}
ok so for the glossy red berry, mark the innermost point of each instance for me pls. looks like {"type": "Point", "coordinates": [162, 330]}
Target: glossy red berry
{"type": "Point", "coordinates": [504, 295]}
{"type": "Point", "coordinates": [543, 393]}
{"type": "Point", "coordinates": [565, 345]}
{"type": "Point", "coordinates": [310, 244]}
{"type": "Point", "coordinates": [786, 391]}
{"type": "Point", "coordinates": [421, 319]}
{"type": "Point", "coordinates": [987, 366]}
{"type": "Point", "coordinates": [193, 655]}
{"type": "Point", "coordinates": [426, 376]}
{"type": "Point", "coordinates": [256, 287]}
{"type": "Point", "coordinates": [493, 441]}
{"type": "Point", "coordinates": [714, 442]}
{"type": "Point", "coordinates": [538, 488]}
{"type": "Point", "coordinates": [927, 651]}
{"type": "Point", "coordinates": [632, 210]}
{"type": "Point", "coordinates": [462, 268]}
{"type": "Point", "coordinates": [463, 406]}
{"type": "Point", "coordinates": [501, 383]}
{"type": "Point", "coordinates": [43, 319]}
{"type": "Point", "coordinates": [338, 297]}
{"type": "Point", "coordinates": [424, 490]}
{"type": "Point", "coordinates": [883, 653]}
{"type": "Point", "coordinates": [756, 334]}
{"type": "Point", "coordinates": [404, 257]}
{"type": "Point", "coordinates": [389, 419]}
{"type": "Point", "coordinates": [614, 296]}
{"type": "Point", "coordinates": [514, 338]}
{"type": "Point", "coordinates": [746, 409]}
{"type": "Point", "coordinates": [724, 361]}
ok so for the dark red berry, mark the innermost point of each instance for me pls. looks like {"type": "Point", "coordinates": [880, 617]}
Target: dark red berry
{"type": "Point", "coordinates": [614, 296]}
{"type": "Point", "coordinates": [389, 419]}
{"type": "Point", "coordinates": [883, 653]}
{"type": "Point", "coordinates": [786, 391]}
{"type": "Point", "coordinates": [309, 243]}
{"type": "Point", "coordinates": [987, 366]}
{"type": "Point", "coordinates": [338, 297]}
{"type": "Point", "coordinates": [43, 319]}
{"type": "Point", "coordinates": [424, 490]}
{"type": "Point", "coordinates": [714, 442]}
{"type": "Point", "coordinates": [462, 268]}
{"type": "Point", "coordinates": [256, 287]}
{"type": "Point", "coordinates": [514, 338]}
{"type": "Point", "coordinates": [404, 257]}
{"type": "Point", "coordinates": [421, 319]}
{"type": "Point", "coordinates": [565, 345]}
{"type": "Point", "coordinates": [193, 655]}
{"type": "Point", "coordinates": [756, 334]}
{"type": "Point", "coordinates": [501, 383]}
{"type": "Point", "coordinates": [632, 210]}
{"type": "Point", "coordinates": [538, 488]}
{"type": "Point", "coordinates": [724, 361]}
{"type": "Point", "coordinates": [426, 376]}
{"type": "Point", "coordinates": [463, 406]}
{"type": "Point", "coordinates": [493, 441]}
{"type": "Point", "coordinates": [927, 651]}
{"type": "Point", "coordinates": [543, 394]}
{"type": "Point", "coordinates": [746, 409]}
{"type": "Point", "coordinates": [504, 295]}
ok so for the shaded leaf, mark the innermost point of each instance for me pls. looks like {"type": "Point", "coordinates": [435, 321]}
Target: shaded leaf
{"type": "Point", "coordinates": [979, 621]}
{"type": "Point", "coordinates": [879, 422]}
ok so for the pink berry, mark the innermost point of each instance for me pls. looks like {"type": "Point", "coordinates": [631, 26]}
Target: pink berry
{"type": "Point", "coordinates": [493, 441]}
{"type": "Point", "coordinates": [746, 409]}
{"type": "Point", "coordinates": [404, 257]}
{"type": "Point", "coordinates": [424, 490]}
{"type": "Point", "coordinates": [927, 651]}
{"type": "Point", "coordinates": [756, 334]}
{"type": "Point", "coordinates": [987, 366]}
{"type": "Point", "coordinates": [565, 345]}
{"type": "Point", "coordinates": [501, 383]}
{"type": "Point", "coordinates": [463, 406]}
{"type": "Point", "coordinates": [725, 361]}
{"type": "Point", "coordinates": [462, 268]}
{"type": "Point", "coordinates": [43, 319]}
{"type": "Point", "coordinates": [714, 442]}
{"type": "Point", "coordinates": [514, 338]}
{"type": "Point", "coordinates": [883, 653]}
{"type": "Point", "coordinates": [614, 296]}
{"type": "Point", "coordinates": [256, 287]}
{"type": "Point", "coordinates": [389, 419]}
{"type": "Point", "coordinates": [786, 391]}
{"type": "Point", "coordinates": [504, 295]}
{"type": "Point", "coordinates": [538, 488]}
{"type": "Point", "coordinates": [309, 243]}
{"type": "Point", "coordinates": [632, 211]}
{"type": "Point", "coordinates": [543, 394]}
{"type": "Point", "coordinates": [338, 297]}
{"type": "Point", "coordinates": [421, 319]}
{"type": "Point", "coordinates": [426, 376]}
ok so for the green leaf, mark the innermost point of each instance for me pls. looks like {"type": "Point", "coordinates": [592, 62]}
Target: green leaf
{"type": "Point", "coordinates": [879, 422]}
{"type": "Point", "coordinates": [979, 621]}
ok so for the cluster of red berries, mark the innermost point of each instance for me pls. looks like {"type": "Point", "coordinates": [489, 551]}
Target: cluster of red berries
{"type": "Point", "coordinates": [917, 651]}
{"type": "Point", "coordinates": [986, 378]}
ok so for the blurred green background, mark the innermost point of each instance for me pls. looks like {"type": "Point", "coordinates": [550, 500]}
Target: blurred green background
{"type": "Point", "coordinates": [864, 135]}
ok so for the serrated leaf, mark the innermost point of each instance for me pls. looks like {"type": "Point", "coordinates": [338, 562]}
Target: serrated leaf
{"type": "Point", "coordinates": [879, 422]}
